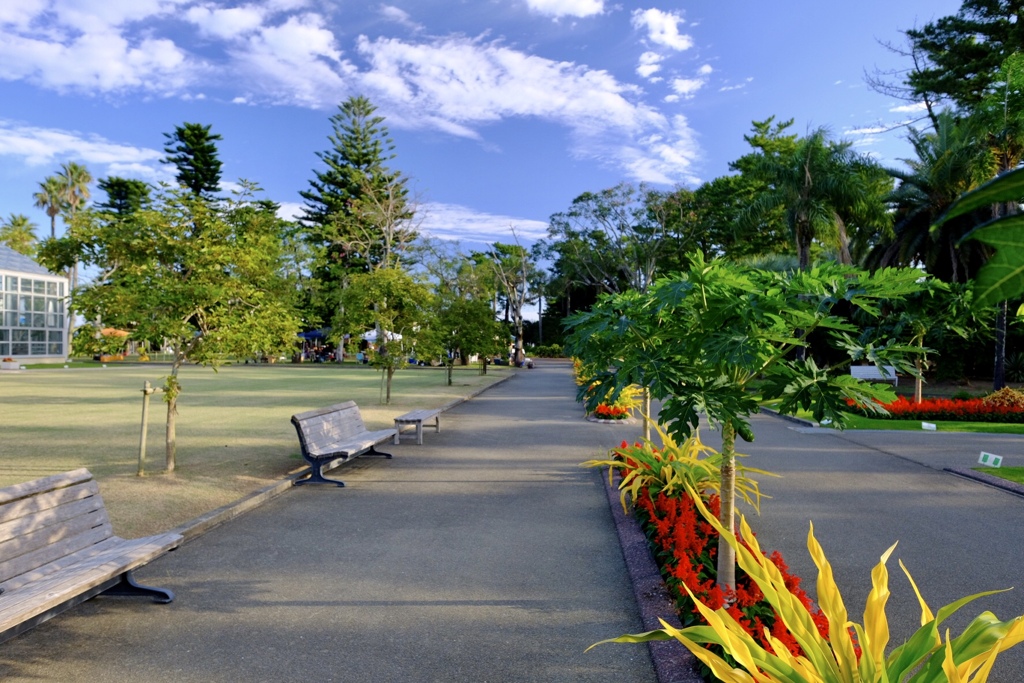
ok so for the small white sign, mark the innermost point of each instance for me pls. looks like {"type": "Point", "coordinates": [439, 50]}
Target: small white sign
{"type": "Point", "coordinates": [990, 460]}
{"type": "Point", "coordinates": [929, 426]}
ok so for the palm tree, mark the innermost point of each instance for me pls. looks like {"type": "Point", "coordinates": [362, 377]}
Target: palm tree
{"type": "Point", "coordinates": [75, 179]}
{"type": "Point", "coordinates": [19, 233]}
{"type": "Point", "coordinates": [822, 186]}
{"type": "Point", "coordinates": [949, 161]}
{"type": "Point", "coordinates": [51, 198]}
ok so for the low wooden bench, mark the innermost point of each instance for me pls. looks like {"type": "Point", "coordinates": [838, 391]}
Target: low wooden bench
{"type": "Point", "coordinates": [417, 417]}
{"type": "Point", "coordinates": [57, 549]}
{"type": "Point", "coordinates": [330, 436]}
{"type": "Point", "coordinates": [872, 374]}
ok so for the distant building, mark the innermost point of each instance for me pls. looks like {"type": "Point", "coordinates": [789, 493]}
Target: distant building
{"type": "Point", "coordinates": [33, 305]}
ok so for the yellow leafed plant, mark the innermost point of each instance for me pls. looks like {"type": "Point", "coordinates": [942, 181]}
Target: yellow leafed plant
{"type": "Point", "coordinates": [674, 468]}
{"type": "Point", "coordinates": [924, 658]}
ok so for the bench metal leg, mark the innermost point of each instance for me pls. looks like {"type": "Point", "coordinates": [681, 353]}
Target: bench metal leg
{"type": "Point", "coordinates": [316, 476]}
{"type": "Point", "coordinates": [126, 586]}
{"type": "Point", "coordinates": [374, 451]}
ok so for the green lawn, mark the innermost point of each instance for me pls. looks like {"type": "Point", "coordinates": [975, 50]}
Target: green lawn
{"type": "Point", "coordinates": [234, 433]}
{"type": "Point", "coordinates": [1014, 474]}
{"type": "Point", "coordinates": [858, 422]}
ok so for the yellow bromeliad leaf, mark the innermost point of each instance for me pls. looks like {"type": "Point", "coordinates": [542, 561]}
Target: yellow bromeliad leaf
{"type": "Point", "coordinates": [948, 666]}
{"type": "Point", "coordinates": [874, 637]}
{"type": "Point", "coordinates": [769, 579]}
{"type": "Point", "coordinates": [926, 612]}
{"type": "Point", "coordinates": [831, 603]}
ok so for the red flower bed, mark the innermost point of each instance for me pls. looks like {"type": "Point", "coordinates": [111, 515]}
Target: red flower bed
{"type": "Point", "coordinates": [607, 412]}
{"type": "Point", "coordinates": [685, 546]}
{"type": "Point", "coordinates": [963, 410]}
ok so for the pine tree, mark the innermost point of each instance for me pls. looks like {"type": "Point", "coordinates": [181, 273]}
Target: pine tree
{"type": "Point", "coordinates": [192, 149]}
{"type": "Point", "coordinates": [124, 196]}
{"type": "Point", "coordinates": [357, 214]}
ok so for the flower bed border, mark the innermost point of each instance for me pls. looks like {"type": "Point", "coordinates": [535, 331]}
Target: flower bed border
{"type": "Point", "coordinates": [673, 663]}
{"type": "Point", "coordinates": [625, 421]}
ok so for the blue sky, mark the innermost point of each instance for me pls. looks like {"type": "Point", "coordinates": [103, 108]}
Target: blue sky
{"type": "Point", "coordinates": [502, 111]}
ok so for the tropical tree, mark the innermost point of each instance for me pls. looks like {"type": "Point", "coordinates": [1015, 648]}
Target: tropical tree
{"type": "Point", "coordinates": [51, 198]}
{"type": "Point", "coordinates": [514, 269]}
{"type": "Point", "coordinates": [948, 162]}
{"type": "Point", "coordinates": [698, 340]}
{"type": "Point", "coordinates": [392, 305]}
{"type": "Point", "coordinates": [205, 293]}
{"type": "Point", "coordinates": [610, 240]}
{"type": "Point", "coordinates": [822, 186]}
{"type": "Point", "coordinates": [19, 233]}
{"type": "Point", "coordinates": [75, 179]}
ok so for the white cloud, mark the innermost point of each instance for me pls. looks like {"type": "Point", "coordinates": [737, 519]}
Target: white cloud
{"type": "Point", "coordinates": [463, 84]}
{"type": "Point", "coordinates": [399, 16]}
{"type": "Point", "coordinates": [290, 211]}
{"type": "Point", "coordinates": [297, 62]}
{"type": "Point", "coordinates": [226, 23]}
{"type": "Point", "coordinates": [20, 13]}
{"type": "Point", "coordinates": [564, 8]}
{"type": "Point", "coordinates": [914, 108]}
{"type": "Point", "coordinates": [456, 222]}
{"type": "Point", "coordinates": [280, 52]}
{"type": "Point", "coordinates": [650, 64]}
{"type": "Point", "coordinates": [81, 44]}
{"type": "Point", "coordinates": [40, 146]}
{"type": "Point", "coordinates": [705, 70]}
{"type": "Point", "coordinates": [687, 87]}
{"type": "Point", "coordinates": [662, 28]}
{"type": "Point", "coordinates": [737, 86]}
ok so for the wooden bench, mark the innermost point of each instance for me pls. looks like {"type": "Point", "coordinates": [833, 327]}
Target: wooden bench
{"type": "Point", "coordinates": [417, 417]}
{"type": "Point", "coordinates": [332, 435]}
{"type": "Point", "coordinates": [871, 373]}
{"type": "Point", "coordinates": [57, 549]}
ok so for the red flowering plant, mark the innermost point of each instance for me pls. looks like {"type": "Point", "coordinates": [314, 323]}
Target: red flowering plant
{"type": "Point", "coordinates": [611, 412]}
{"type": "Point", "coordinates": [684, 544]}
{"type": "Point", "coordinates": [959, 410]}
{"type": "Point", "coordinates": [656, 479]}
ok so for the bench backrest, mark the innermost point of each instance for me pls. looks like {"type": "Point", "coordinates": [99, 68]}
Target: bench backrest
{"type": "Point", "coordinates": [49, 518]}
{"type": "Point", "coordinates": [871, 372]}
{"type": "Point", "coordinates": [329, 425]}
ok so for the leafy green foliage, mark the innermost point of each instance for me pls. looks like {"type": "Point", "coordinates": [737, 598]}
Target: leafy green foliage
{"type": "Point", "coordinates": [1003, 276]}
{"type": "Point", "coordinates": [202, 278]}
{"type": "Point", "coordinates": [392, 304]}
{"type": "Point", "coordinates": [698, 339]}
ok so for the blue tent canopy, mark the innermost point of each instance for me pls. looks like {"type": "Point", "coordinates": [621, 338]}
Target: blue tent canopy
{"type": "Point", "coordinates": [315, 334]}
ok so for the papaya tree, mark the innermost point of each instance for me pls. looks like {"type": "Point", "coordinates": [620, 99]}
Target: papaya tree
{"type": "Point", "coordinates": [720, 338]}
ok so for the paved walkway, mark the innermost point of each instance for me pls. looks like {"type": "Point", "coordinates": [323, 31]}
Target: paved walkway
{"type": "Point", "coordinates": [865, 490]}
{"type": "Point", "coordinates": [487, 554]}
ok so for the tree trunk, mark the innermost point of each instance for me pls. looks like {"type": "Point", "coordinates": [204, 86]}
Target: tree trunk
{"type": "Point", "coordinates": [171, 391]}
{"type": "Point", "coordinates": [483, 368]}
{"type": "Point", "coordinates": [387, 396]}
{"type": "Point", "coordinates": [999, 369]}
{"type": "Point", "coordinates": [726, 554]}
{"type": "Point", "coordinates": [451, 367]}
{"type": "Point", "coordinates": [647, 414]}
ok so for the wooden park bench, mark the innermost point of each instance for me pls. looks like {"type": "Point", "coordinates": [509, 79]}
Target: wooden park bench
{"type": "Point", "coordinates": [57, 549]}
{"type": "Point", "coordinates": [871, 373]}
{"type": "Point", "coordinates": [330, 436]}
{"type": "Point", "coordinates": [417, 418]}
